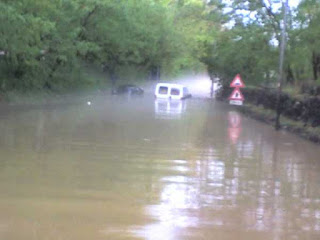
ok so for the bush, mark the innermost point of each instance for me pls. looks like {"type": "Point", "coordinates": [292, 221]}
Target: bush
{"type": "Point", "coordinates": [305, 109]}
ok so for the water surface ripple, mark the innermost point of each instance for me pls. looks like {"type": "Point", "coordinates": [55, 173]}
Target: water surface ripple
{"type": "Point", "coordinates": [140, 168]}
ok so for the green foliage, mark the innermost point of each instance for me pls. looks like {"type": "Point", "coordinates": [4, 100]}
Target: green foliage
{"type": "Point", "coordinates": [305, 44]}
{"type": "Point", "coordinates": [249, 43]}
{"type": "Point", "coordinates": [43, 43]}
{"type": "Point", "coordinates": [244, 49]}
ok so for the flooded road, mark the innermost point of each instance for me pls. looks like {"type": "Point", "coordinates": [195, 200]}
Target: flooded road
{"type": "Point", "coordinates": [142, 168]}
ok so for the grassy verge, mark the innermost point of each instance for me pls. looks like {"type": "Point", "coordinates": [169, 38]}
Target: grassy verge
{"type": "Point", "coordinates": [296, 127]}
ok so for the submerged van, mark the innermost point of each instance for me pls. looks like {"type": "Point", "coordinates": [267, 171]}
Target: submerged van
{"type": "Point", "coordinates": [171, 91]}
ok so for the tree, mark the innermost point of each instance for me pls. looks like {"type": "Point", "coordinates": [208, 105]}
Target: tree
{"type": "Point", "coordinates": [47, 41]}
{"type": "Point", "coordinates": [307, 38]}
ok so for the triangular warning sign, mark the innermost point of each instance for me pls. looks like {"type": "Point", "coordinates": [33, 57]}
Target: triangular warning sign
{"type": "Point", "coordinates": [237, 82]}
{"type": "Point", "coordinates": [236, 95]}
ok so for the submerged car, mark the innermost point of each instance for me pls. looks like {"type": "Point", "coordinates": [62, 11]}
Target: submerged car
{"type": "Point", "coordinates": [129, 89]}
{"type": "Point", "coordinates": [171, 91]}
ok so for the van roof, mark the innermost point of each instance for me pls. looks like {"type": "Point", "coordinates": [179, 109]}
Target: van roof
{"type": "Point", "coordinates": [170, 85]}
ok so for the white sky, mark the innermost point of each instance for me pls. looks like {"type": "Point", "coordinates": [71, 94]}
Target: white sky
{"type": "Point", "coordinates": [294, 3]}
{"type": "Point", "coordinates": [277, 6]}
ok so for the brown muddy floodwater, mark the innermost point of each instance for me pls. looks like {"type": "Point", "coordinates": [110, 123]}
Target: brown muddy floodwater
{"type": "Point", "coordinates": [142, 168]}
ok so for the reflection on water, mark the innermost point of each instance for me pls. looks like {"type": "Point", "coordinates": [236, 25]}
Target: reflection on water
{"type": "Point", "coordinates": [234, 130]}
{"type": "Point", "coordinates": [116, 170]}
{"type": "Point", "coordinates": [169, 109]}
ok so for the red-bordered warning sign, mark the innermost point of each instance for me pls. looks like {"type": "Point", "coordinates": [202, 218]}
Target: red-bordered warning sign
{"type": "Point", "coordinates": [236, 95]}
{"type": "Point", "coordinates": [237, 82]}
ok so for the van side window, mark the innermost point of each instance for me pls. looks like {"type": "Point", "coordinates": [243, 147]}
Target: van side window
{"type": "Point", "coordinates": [185, 91]}
{"type": "Point", "coordinates": [163, 90]}
{"type": "Point", "coordinates": [175, 91]}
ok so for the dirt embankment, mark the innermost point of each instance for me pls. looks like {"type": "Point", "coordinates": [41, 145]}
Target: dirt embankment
{"type": "Point", "coordinates": [300, 114]}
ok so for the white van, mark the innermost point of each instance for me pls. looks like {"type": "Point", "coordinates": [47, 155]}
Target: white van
{"type": "Point", "coordinates": [171, 91]}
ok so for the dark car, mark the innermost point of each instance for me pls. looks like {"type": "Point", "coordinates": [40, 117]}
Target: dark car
{"type": "Point", "coordinates": [129, 89]}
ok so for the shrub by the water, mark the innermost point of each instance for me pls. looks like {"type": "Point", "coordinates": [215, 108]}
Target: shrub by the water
{"type": "Point", "coordinates": [306, 109]}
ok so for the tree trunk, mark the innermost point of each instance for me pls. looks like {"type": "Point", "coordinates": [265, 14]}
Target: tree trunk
{"type": "Point", "coordinates": [113, 79]}
{"type": "Point", "coordinates": [315, 65]}
{"type": "Point", "coordinates": [290, 76]}
{"type": "Point", "coordinates": [155, 73]}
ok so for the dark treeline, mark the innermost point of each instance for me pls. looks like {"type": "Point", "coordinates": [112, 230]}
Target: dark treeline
{"type": "Point", "coordinates": [46, 44]}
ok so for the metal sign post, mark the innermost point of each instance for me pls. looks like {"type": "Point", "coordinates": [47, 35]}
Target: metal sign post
{"type": "Point", "coordinates": [281, 59]}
